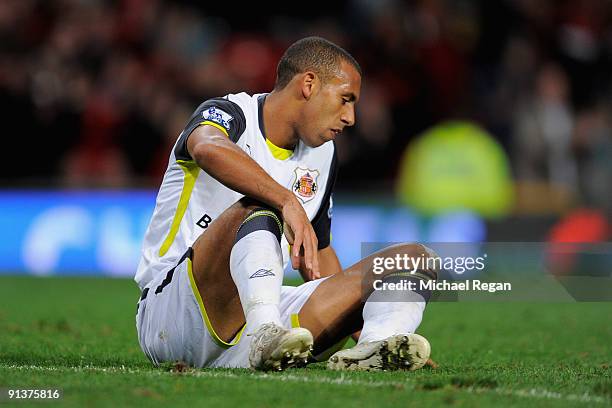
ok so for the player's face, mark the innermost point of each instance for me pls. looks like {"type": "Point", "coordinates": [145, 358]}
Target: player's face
{"type": "Point", "coordinates": [332, 108]}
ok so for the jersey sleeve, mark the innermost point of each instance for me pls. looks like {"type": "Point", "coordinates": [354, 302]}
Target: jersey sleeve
{"type": "Point", "coordinates": [221, 113]}
{"type": "Point", "coordinates": [321, 223]}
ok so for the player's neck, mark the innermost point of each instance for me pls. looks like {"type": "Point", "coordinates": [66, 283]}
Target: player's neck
{"type": "Point", "coordinates": [277, 121]}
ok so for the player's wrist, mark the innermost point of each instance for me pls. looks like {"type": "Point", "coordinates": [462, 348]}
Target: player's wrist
{"type": "Point", "coordinates": [286, 200]}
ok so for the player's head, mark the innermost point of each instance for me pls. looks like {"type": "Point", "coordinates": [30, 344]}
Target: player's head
{"type": "Point", "coordinates": [327, 80]}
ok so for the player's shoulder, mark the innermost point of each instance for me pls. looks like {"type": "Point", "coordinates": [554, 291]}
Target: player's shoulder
{"type": "Point", "coordinates": [241, 105]}
{"type": "Point", "coordinates": [231, 112]}
{"type": "Point", "coordinates": [247, 103]}
{"type": "Point", "coordinates": [230, 104]}
{"type": "Point", "coordinates": [243, 98]}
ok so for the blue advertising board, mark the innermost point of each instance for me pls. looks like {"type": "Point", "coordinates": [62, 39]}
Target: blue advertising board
{"type": "Point", "coordinates": [100, 232]}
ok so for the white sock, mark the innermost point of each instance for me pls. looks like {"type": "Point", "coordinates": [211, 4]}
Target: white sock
{"type": "Point", "coordinates": [384, 319]}
{"type": "Point", "coordinates": [257, 270]}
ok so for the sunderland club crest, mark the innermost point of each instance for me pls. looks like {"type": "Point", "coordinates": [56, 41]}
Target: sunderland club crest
{"type": "Point", "coordinates": [305, 184]}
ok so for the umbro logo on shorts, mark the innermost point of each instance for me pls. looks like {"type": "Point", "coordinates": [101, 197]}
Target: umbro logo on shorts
{"type": "Point", "coordinates": [261, 273]}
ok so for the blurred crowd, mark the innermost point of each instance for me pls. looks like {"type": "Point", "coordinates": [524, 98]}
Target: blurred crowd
{"type": "Point", "coordinates": [94, 93]}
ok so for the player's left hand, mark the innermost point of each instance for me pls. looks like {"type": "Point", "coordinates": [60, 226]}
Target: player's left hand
{"type": "Point", "coordinates": [301, 236]}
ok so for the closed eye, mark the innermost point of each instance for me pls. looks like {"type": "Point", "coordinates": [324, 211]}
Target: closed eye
{"type": "Point", "coordinates": [348, 98]}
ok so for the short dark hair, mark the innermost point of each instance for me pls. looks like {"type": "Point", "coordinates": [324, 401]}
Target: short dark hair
{"type": "Point", "coordinates": [315, 54]}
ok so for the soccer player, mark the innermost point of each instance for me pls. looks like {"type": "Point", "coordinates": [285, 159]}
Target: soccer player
{"type": "Point", "coordinates": [248, 189]}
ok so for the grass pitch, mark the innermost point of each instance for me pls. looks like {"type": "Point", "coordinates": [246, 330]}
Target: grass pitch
{"type": "Point", "coordinates": [78, 335]}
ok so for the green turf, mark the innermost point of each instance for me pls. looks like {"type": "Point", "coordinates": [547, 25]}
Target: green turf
{"type": "Point", "coordinates": [78, 334]}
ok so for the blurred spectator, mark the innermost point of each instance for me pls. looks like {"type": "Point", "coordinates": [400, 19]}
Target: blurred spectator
{"type": "Point", "coordinates": [544, 127]}
{"type": "Point", "coordinates": [454, 167]}
{"type": "Point", "coordinates": [593, 144]}
{"type": "Point", "coordinates": [543, 135]}
{"type": "Point", "coordinates": [96, 92]}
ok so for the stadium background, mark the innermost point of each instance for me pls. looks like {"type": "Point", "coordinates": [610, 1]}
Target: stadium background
{"type": "Point", "coordinates": [478, 120]}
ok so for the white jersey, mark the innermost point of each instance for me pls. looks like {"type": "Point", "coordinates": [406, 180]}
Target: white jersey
{"type": "Point", "coordinates": [189, 199]}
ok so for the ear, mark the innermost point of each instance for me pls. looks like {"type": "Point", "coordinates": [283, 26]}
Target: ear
{"type": "Point", "coordinates": [310, 83]}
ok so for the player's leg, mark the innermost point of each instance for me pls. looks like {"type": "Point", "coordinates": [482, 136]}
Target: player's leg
{"type": "Point", "coordinates": [186, 315]}
{"type": "Point", "coordinates": [346, 302]}
{"type": "Point", "coordinates": [238, 269]}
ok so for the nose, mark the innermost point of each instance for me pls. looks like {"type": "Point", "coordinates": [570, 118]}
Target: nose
{"type": "Point", "coordinates": [348, 115]}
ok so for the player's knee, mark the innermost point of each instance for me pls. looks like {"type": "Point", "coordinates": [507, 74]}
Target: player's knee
{"type": "Point", "coordinates": [413, 264]}
{"type": "Point", "coordinates": [410, 249]}
{"type": "Point", "coordinates": [421, 257]}
{"type": "Point", "coordinates": [258, 217]}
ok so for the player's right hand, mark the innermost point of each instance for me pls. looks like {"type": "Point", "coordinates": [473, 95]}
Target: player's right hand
{"type": "Point", "coordinates": [301, 237]}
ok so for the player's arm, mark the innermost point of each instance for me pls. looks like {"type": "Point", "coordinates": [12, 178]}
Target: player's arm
{"type": "Point", "coordinates": [214, 152]}
{"type": "Point", "coordinates": [328, 264]}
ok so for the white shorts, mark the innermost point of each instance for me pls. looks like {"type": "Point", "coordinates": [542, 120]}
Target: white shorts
{"type": "Point", "coordinates": [172, 323]}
